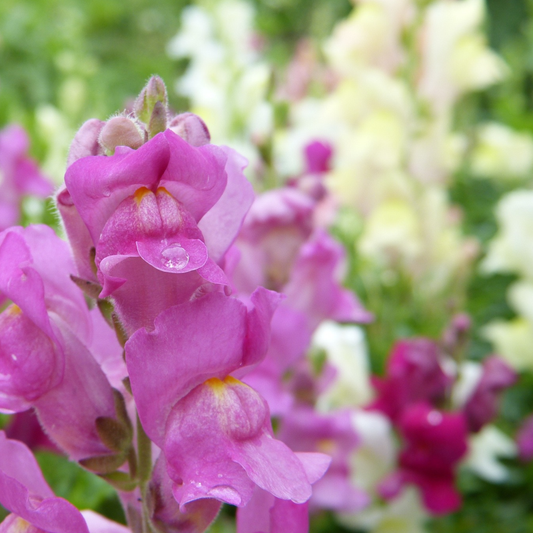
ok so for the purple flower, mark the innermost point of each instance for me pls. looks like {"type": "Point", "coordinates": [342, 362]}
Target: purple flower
{"type": "Point", "coordinates": [482, 406]}
{"type": "Point", "coordinates": [435, 441]}
{"type": "Point", "coordinates": [168, 516]}
{"type": "Point", "coordinates": [413, 374]}
{"type": "Point", "coordinates": [279, 248]}
{"type": "Point", "coordinates": [318, 155]}
{"type": "Point", "coordinates": [19, 175]}
{"type": "Point", "coordinates": [524, 439]}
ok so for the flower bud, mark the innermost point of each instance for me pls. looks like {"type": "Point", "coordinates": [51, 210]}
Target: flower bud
{"type": "Point", "coordinates": [191, 128]}
{"type": "Point", "coordinates": [120, 131]}
{"type": "Point", "coordinates": [158, 120]}
{"type": "Point", "coordinates": [154, 91]}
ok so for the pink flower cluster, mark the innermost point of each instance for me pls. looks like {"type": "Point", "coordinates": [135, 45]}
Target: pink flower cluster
{"type": "Point", "coordinates": [153, 346]}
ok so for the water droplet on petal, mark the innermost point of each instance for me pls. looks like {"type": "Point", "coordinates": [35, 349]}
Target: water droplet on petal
{"type": "Point", "coordinates": [175, 257]}
{"type": "Point", "coordinates": [14, 357]}
{"type": "Point", "coordinates": [434, 418]}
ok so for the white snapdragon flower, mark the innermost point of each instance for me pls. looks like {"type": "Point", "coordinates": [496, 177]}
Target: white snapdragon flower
{"type": "Point", "coordinates": [369, 37]}
{"type": "Point", "coordinates": [226, 80]}
{"type": "Point", "coordinates": [513, 340]}
{"type": "Point", "coordinates": [512, 248]}
{"type": "Point", "coordinates": [346, 352]}
{"type": "Point", "coordinates": [455, 55]}
{"type": "Point", "coordinates": [485, 448]}
{"type": "Point", "coordinates": [502, 153]}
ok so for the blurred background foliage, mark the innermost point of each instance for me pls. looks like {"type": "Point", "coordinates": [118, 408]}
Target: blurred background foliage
{"type": "Point", "coordinates": [64, 61]}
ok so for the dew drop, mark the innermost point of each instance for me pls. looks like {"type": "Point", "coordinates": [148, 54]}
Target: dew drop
{"type": "Point", "coordinates": [14, 357]}
{"type": "Point", "coordinates": [434, 418]}
{"type": "Point", "coordinates": [175, 257]}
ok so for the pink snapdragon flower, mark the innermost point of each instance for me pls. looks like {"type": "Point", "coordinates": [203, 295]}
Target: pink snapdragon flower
{"type": "Point", "coordinates": [34, 507]}
{"type": "Point", "coordinates": [152, 206]}
{"type": "Point", "coordinates": [45, 362]}
{"type": "Point", "coordinates": [280, 248]}
{"type": "Point", "coordinates": [19, 175]}
{"type": "Point", "coordinates": [160, 218]}
{"type": "Point", "coordinates": [214, 430]}
{"type": "Point", "coordinates": [303, 429]}
{"type": "Point", "coordinates": [265, 513]}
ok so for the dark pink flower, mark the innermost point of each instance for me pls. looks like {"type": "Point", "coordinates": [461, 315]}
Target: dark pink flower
{"type": "Point", "coordinates": [413, 374]}
{"type": "Point", "coordinates": [524, 440]}
{"type": "Point", "coordinates": [482, 406]}
{"type": "Point", "coordinates": [318, 155]}
{"type": "Point", "coordinates": [434, 443]}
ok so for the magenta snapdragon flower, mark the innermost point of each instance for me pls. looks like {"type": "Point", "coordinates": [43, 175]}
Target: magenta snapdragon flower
{"type": "Point", "coordinates": [414, 373]}
{"type": "Point", "coordinates": [435, 441]}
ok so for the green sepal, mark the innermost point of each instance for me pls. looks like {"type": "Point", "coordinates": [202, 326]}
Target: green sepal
{"type": "Point", "coordinates": [120, 409]}
{"type": "Point", "coordinates": [106, 308]}
{"type": "Point", "coordinates": [114, 434]}
{"type": "Point", "coordinates": [120, 481]}
{"type": "Point", "coordinates": [89, 288]}
{"type": "Point", "coordinates": [104, 464]}
{"type": "Point", "coordinates": [122, 336]}
{"type": "Point", "coordinates": [158, 120]}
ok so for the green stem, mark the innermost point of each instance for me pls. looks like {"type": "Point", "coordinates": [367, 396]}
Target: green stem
{"type": "Point", "coordinates": [144, 472]}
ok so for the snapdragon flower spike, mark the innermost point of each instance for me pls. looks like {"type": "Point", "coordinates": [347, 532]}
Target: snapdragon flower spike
{"type": "Point", "coordinates": [435, 442]}
{"type": "Point", "coordinates": [147, 213]}
{"type": "Point", "coordinates": [279, 248]}
{"type": "Point", "coordinates": [44, 360]}
{"type": "Point", "coordinates": [413, 374]}
{"type": "Point", "coordinates": [34, 507]}
{"type": "Point", "coordinates": [482, 406]}
{"type": "Point", "coordinates": [20, 175]}
{"type": "Point", "coordinates": [194, 409]}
